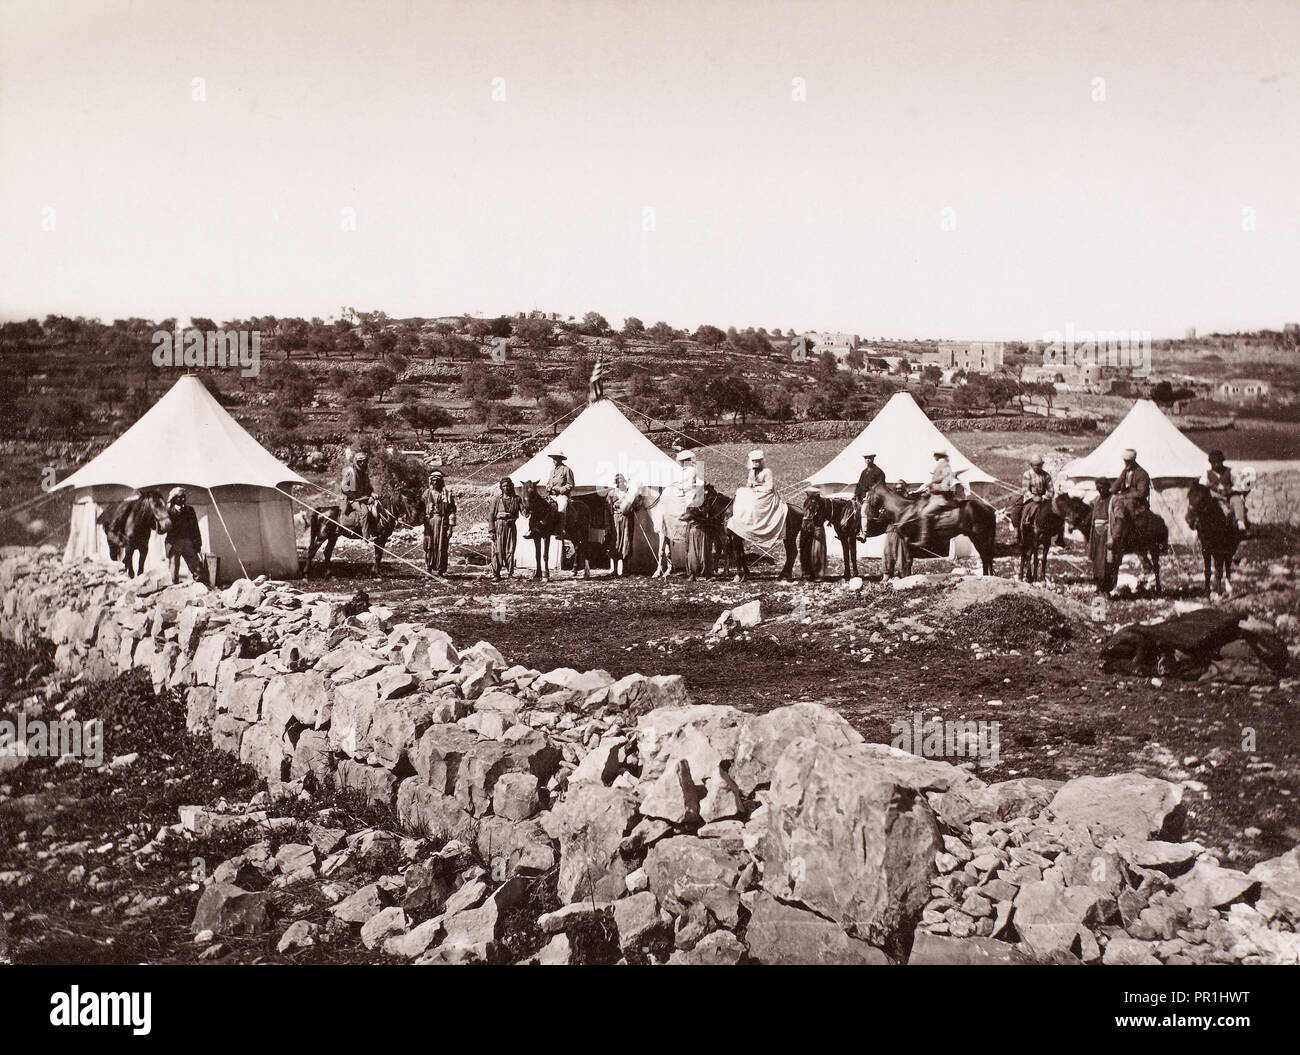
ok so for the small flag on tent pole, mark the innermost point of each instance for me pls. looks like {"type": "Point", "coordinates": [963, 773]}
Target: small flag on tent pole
{"type": "Point", "coordinates": [596, 390]}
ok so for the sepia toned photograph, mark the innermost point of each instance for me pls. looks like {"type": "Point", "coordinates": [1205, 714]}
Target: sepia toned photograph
{"type": "Point", "coordinates": [596, 482]}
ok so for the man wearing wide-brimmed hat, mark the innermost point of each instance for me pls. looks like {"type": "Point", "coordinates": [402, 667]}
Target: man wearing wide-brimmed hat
{"type": "Point", "coordinates": [183, 540]}
{"type": "Point", "coordinates": [941, 490]}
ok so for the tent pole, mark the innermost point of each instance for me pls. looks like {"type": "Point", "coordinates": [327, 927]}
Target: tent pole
{"type": "Point", "coordinates": [229, 537]}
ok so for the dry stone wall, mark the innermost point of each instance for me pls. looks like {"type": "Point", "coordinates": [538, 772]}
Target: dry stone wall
{"type": "Point", "coordinates": [697, 834]}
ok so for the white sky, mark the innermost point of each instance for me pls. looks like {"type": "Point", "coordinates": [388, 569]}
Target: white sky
{"type": "Point", "coordinates": [1126, 213]}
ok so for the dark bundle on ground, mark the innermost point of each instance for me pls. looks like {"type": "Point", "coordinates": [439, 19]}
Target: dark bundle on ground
{"type": "Point", "coordinates": [356, 604]}
{"type": "Point", "coordinates": [1012, 621]}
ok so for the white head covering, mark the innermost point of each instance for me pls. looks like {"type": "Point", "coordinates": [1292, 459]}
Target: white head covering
{"type": "Point", "coordinates": [686, 456]}
{"type": "Point", "coordinates": [755, 456]}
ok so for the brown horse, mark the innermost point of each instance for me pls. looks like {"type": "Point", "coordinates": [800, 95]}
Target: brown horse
{"type": "Point", "coordinates": [128, 525]}
{"type": "Point", "coordinates": [1044, 524]}
{"type": "Point", "coordinates": [1145, 534]}
{"type": "Point", "coordinates": [972, 517]}
{"type": "Point", "coordinates": [1218, 536]}
{"type": "Point", "coordinates": [545, 522]}
{"type": "Point", "coordinates": [793, 521]}
{"type": "Point", "coordinates": [382, 517]}
{"type": "Point", "coordinates": [843, 516]}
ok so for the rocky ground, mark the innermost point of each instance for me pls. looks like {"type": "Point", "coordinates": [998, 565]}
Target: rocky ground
{"type": "Point", "coordinates": [625, 775]}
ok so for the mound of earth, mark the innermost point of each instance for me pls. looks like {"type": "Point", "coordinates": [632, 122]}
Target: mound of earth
{"type": "Point", "coordinates": [1014, 621]}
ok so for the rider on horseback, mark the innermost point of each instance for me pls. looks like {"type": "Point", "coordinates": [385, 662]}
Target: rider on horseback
{"type": "Point", "coordinates": [355, 485]}
{"type": "Point", "coordinates": [691, 482]}
{"type": "Point", "coordinates": [871, 476]}
{"type": "Point", "coordinates": [559, 486]}
{"type": "Point", "coordinates": [1223, 486]}
{"type": "Point", "coordinates": [1035, 487]}
{"type": "Point", "coordinates": [1130, 497]}
{"type": "Point", "coordinates": [942, 491]}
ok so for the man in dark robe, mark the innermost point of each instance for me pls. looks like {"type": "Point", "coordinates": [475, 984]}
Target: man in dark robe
{"type": "Point", "coordinates": [871, 475]}
{"type": "Point", "coordinates": [503, 518]}
{"type": "Point", "coordinates": [438, 508]}
{"type": "Point", "coordinates": [183, 540]}
{"type": "Point", "coordinates": [1099, 538]}
{"type": "Point", "coordinates": [1130, 498]}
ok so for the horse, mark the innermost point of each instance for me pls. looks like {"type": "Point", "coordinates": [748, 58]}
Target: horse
{"type": "Point", "coordinates": [544, 522]}
{"type": "Point", "coordinates": [127, 526]}
{"type": "Point", "coordinates": [972, 517]}
{"type": "Point", "coordinates": [710, 516]}
{"type": "Point", "coordinates": [812, 536]}
{"type": "Point", "coordinates": [381, 519]}
{"type": "Point", "coordinates": [843, 515]}
{"type": "Point", "coordinates": [1218, 536]}
{"type": "Point", "coordinates": [1146, 535]}
{"type": "Point", "coordinates": [793, 521]}
{"type": "Point", "coordinates": [1046, 523]}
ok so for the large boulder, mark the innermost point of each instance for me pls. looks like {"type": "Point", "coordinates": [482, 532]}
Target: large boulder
{"type": "Point", "coordinates": [396, 726]}
{"type": "Point", "coordinates": [1279, 879]}
{"type": "Point", "coordinates": [590, 823]}
{"type": "Point", "coordinates": [702, 734]}
{"type": "Point", "coordinates": [764, 737]}
{"type": "Point", "coordinates": [945, 951]}
{"type": "Point", "coordinates": [421, 808]}
{"type": "Point", "coordinates": [847, 840]}
{"type": "Point", "coordinates": [786, 934]}
{"type": "Point", "coordinates": [1049, 915]}
{"type": "Point", "coordinates": [227, 909]}
{"type": "Point", "coordinates": [686, 870]}
{"type": "Point", "coordinates": [304, 697]}
{"type": "Point", "coordinates": [438, 755]}
{"type": "Point", "coordinates": [355, 703]}
{"type": "Point", "coordinates": [430, 653]}
{"type": "Point", "coordinates": [1130, 804]}
{"type": "Point", "coordinates": [646, 693]}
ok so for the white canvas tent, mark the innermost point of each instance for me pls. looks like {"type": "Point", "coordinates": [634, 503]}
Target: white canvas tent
{"type": "Point", "coordinates": [599, 444]}
{"type": "Point", "coordinates": [903, 440]}
{"type": "Point", "coordinates": [1171, 460]}
{"type": "Point", "coordinates": [188, 439]}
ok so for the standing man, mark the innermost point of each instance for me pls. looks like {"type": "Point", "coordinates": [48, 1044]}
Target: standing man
{"type": "Point", "coordinates": [871, 476]}
{"type": "Point", "coordinates": [503, 518]}
{"type": "Point", "coordinates": [1099, 538]}
{"type": "Point", "coordinates": [1130, 495]}
{"type": "Point", "coordinates": [1227, 491]}
{"type": "Point", "coordinates": [438, 508]}
{"type": "Point", "coordinates": [183, 541]}
{"type": "Point", "coordinates": [1035, 487]}
{"type": "Point", "coordinates": [560, 486]}
{"type": "Point", "coordinates": [622, 501]}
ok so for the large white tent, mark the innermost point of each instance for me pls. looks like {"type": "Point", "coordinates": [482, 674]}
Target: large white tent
{"type": "Point", "coordinates": [903, 440]}
{"type": "Point", "coordinates": [235, 486]}
{"type": "Point", "coordinates": [599, 444]}
{"type": "Point", "coordinates": [1171, 460]}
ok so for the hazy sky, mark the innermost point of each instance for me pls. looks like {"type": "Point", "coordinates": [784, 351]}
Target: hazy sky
{"type": "Point", "coordinates": [766, 210]}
